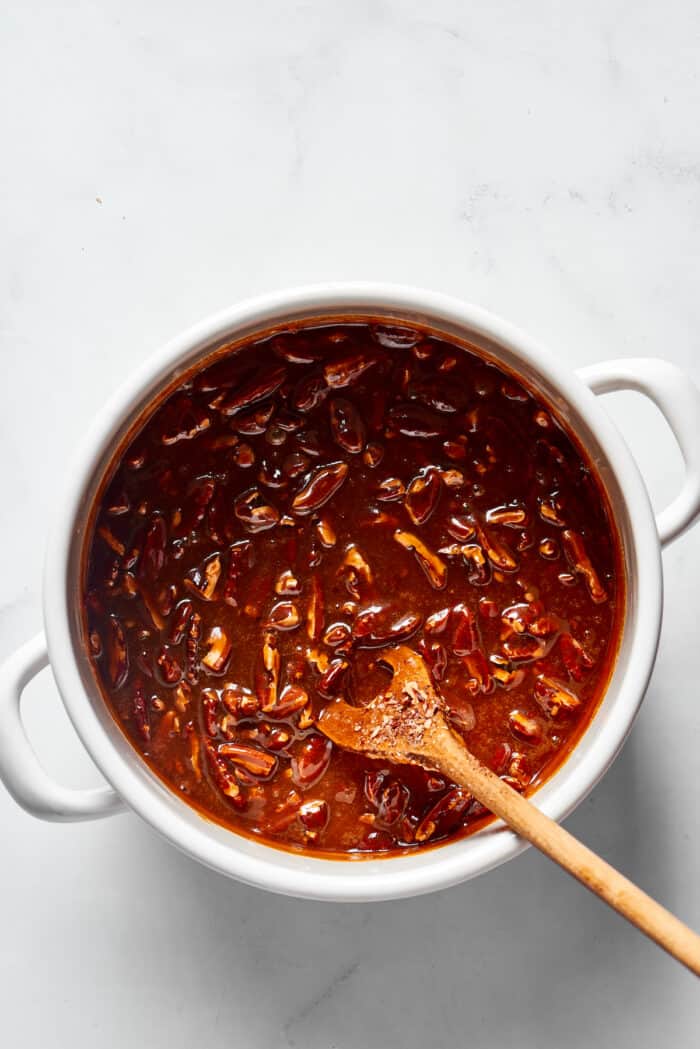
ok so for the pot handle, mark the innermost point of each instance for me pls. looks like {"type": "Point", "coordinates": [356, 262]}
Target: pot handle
{"type": "Point", "coordinates": [678, 399]}
{"type": "Point", "coordinates": [20, 770]}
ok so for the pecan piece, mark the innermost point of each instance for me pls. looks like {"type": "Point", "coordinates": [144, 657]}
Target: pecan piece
{"type": "Point", "coordinates": [225, 780]}
{"type": "Point", "coordinates": [200, 495]}
{"type": "Point", "coordinates": [183, 420]}
{"type": "Point", "coordinates": [464, 633]}
{"type": "Point", "coordinates": [551, 511]}
{"type": "Point", "coordinates": [392, 802]}
{"type": "Point", "coordinates": [291, 699]}
{"type": "Point", "coordinates": [322, 484]}
{"type": "Point", "coordinates": [444, 816]}
{"type": "Point", "coordinates": [140, 713]}
{"type": "Point", "coordinates": [311, 761]}
{"type": "Point", "coordinates": [153, 554]}
{"type": "Point", "coordinates": [202, 580]}
{"type": "Point", "coordinates": [258, 763]}
{"type": "Point", "coordinates": [498, 553]}
{"type": "Point", "coordinates": [295, 347]}
{"type": "Point", "coordinates": [552, 696]}
{"type": "Point", "coordinates": [287, 584]}
{"type": "Point", "coordinates": [284, 615]}
{"type": "Point", "coordinates": [370, 629]}
{"type": "Point", "coordinates": [194, 631]}
{"type": "Point", "coordinates": [437, 622]}
{"type": "Point", "coordinates": [479, 567]}
{"type": "Point", "coordinates": [253, 512]}
{"type": "Point", "coordinates": [524, 727]}
{"type": "Point", "coordinates": [111, 540]}
{"type": "Point", "coordinates": [219, 650]}
{"type": "Point", "coordinates": [480, 676]}
{"type": "Point", "coordinates": [413, 420]}
{"type": "Point", "coordinates": [168, 666]}
{"type": "Point", "coordinates": [574, 657]}
{"type": "Point", "coordinates": [210, 711]}
{"type": "Point", "coordinates": [240, 702]}
{"type": "Point", "coordinates": [261, 386]}
{"type": "Point", "coordinates": [435, 655]}
{"type": "Point", "coordinates": [315, 617]}
{"type": "Point", "coordinates": [549, 549]}
{"type": "Point", "coordinates": [434, 568]}
{"type": "Point", "coordinates": [395, 338]}
{"type": "Point", "coordinates": [422, 495]}
{"type": "Point", "coordinates": [355, 570]}
{"type": "Point", "coordinates": [337, 634]}
{"type": "Point", "coordinates": [512, 516]}
{"type": "Point", "coordinates": [330, 679]}
{"type": "Point", "coordinates": [326, 533]}
{"type": "Point", "coordinates": [117, 653]}
{"type": "Point", "coordinates": [373, 455]}
{"type": "Point", "coordinates": [253, 422]}
{"type": "Point", "coordinates": [346, 370]}
{"type": "Point", "coordinates": [580, 563]}
{"type": "Point", "coordinates": [314, 816]}
{"type": "Point", "coordinates": [347, 427]}
{"type": "Point", "coordinates": [309, 392]}
{"type": "Point", "coordinates": [241, 558]}
{"type": "Point", "coordinates": [390, 490]}
{"type": "Point", "coordinates": [269, 679]}
{"type": "Point", "coordinates": [461, 528]}
{"type": "Point", "coordinates": [462, 717]}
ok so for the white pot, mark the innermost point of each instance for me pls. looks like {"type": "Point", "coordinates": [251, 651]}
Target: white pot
{"type": "Point", "coordinates": [131, 781]}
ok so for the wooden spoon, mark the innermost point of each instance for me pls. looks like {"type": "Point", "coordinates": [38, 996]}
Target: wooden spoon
{"type": "Point", "coordinates": [406, 724]}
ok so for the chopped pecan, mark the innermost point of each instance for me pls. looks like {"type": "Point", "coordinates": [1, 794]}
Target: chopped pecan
{"type": "Point", "coordinates": [268, 684]}
{"type": "Point", "coordinates": [225, 780]}
{"type": "Point", "coordinates": [219, 650]}
{"type": "Point", "coordinates": [117, 653]}
{"type": "Point", "coordinates": [372, 630]}
{"type": "Point", "coordinates": [580, 564]}
{"type": "Point", "coordinates": [254, 512]}
{"type": "Point", "coordinates": [111, 540]}
{"type": "Point", "coordinates": [311, 761]}
{"type": "Point", "coordinates": [153, 554]}
{"type": "Point", "coordinates": [203, 579]}
{"type": "Point", "coordinates": [344, 371]}
{"type": "Point", "coordinates": [322, 484]}
{"type": "Point", "coordinates": [287, 584]}
{"type": "Point", "coordinates": [261, 386]}
{"type": "Point", "coordinates": [512, 516]}
{"type": "Point", "coordinates": [284, 615]}
{"type": "Point", "coordinates": [315, 617]}
{"type": "Point", "coordinates": [325, 533]}
{"type": "Point", "coordinates": [552, 696]}
{"type": "Point", "coordinates": [258, 763]}
{"type": "Point", "coordinates": [444, 816]}
{"type": "Point", "coordinates": [240, 559]}
{"type": "Point", "coordinates": [525, 727]}
{"type": "Point", "coordinates": [291, 699]}
{"type": "Point", "coordinates": [194, 631]}
{"type": "Point", "coordinates": [422, 495]}
{"type": "Point", "coordinates": [347, 427]}
{"type": "Point", "coordinates": [434, 569]}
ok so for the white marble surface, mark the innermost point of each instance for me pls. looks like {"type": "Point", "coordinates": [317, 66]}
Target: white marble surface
{"type": "Point", "coordinates": [161, 160]}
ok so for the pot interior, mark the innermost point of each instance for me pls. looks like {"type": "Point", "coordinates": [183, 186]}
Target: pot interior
{"type": "Point", "coordinates": [396, 875]}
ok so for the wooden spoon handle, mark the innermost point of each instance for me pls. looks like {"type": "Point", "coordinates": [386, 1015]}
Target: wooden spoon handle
{"type": "Point", "coordinates": [592, 871]}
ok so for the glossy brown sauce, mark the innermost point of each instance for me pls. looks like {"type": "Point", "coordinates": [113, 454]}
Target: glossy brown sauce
{"type": "Point", "coordinates": [307, 500]}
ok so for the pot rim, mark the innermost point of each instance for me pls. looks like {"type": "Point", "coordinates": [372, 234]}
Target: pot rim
{"type": "Point", "coordinates": [369, 879]}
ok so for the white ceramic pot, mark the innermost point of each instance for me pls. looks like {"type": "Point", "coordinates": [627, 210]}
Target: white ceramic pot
{"type": "Point", "coordinates": [131, 782]}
